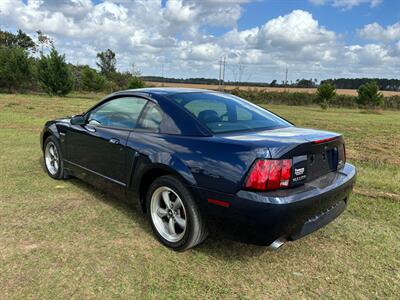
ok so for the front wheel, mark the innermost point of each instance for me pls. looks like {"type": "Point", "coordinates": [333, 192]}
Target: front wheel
{"type": "Point", "coordinates": [52, 158]}
{"type": "Point", "coordinates": [173, 214]}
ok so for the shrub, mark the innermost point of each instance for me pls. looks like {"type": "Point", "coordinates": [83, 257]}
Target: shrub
{"type": "Point", "coordinates": [54, 74]}
{"type": "Point", "coordinates": [111, 86]}
{"type": "Point", "coordinates": [121, 80]}
{"type": "Point", "coordinates": [15, 68]}
{"type": "Point", "coordinates": [135, 83]}
{"type": "Point", "coordinates": [392, 102]}
{"type": "Point", "coordinates": [325, 93]}
{"type": "Point", "coordinates": [91, 80]}
{"type": "Point", "coordinates": [369, 95]}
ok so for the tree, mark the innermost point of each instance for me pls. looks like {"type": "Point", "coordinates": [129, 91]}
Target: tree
{"type": "Point", "coordinates": [325, 93]}
{"type": "Point", "coordinates": [54, 74]}
{"type": "Point", "coordinates": [304, 83]}
{"type": "Point", "coordinates": [21, 39]}
{"type": "Point", "coordinates": [91, 80]}
{"type": "Point", "coordinates": [273, 83]}
{"type": "Point", "coordinates": [369, 95]}
{"type": "Point", "coordinates": [15, 68]}
{"type": "Point", "coordinates": [44, 40]}
{"type": "Point", "coordinates": [107, 62]}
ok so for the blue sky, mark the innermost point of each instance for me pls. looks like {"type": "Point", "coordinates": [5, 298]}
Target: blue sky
{"type": "Point", "coordinates": [344, 21]}
{"type": "Point", "coordinates": [313, 38]}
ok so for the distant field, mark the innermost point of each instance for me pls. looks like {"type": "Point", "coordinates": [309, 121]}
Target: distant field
{"type": "Point", "coordinates": [68, 240]}
{"type": "Point", "coordinates": [271, 89]}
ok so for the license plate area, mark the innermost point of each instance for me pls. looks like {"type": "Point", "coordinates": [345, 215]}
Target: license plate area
{"type": "Point", "coordinates": [322, 160]}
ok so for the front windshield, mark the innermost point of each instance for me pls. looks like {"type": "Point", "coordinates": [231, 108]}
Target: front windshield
{"type": "Point", "coordinates": [223, 113]}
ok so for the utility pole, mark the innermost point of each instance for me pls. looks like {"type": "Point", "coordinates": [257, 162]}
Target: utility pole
{"type": "Point", "coordinates": [162, 74]}
{"type": "Point", "coordinates": [286, 77]}
{"type": "Point", "coordinates": [220, 73]}
{"type": "Point", "coordinates": [223, 73]}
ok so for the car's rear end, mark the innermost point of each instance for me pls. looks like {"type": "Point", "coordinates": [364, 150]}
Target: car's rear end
{"type": "Point", "coordinates": [262, 178]}
{"type": "Point", "coordinates": [302, 185]}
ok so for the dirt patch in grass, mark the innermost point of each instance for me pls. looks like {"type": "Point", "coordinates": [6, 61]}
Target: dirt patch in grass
{"type": "Point", "coordinates": [377, 194]}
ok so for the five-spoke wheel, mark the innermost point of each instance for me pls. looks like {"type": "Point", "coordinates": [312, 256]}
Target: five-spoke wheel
{"type": "Point", "coordinates": [168, 214]}
{"type": "Point", "coordinates": [53, 158]}
{"type": "Point", "coordinates": [174, 215]}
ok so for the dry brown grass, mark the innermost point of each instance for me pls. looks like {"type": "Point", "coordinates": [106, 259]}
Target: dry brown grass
{"type": "Point", "coordinates": [270, 89]}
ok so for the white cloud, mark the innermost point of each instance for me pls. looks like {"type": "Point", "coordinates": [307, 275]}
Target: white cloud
{"type": "Point", "coordinates": [376, 32]}
{"type": "Point", "coordinates": [295, 30]}
{"type": "Point", "coordinates": [347, 4]}
{"type": "Point", "coordinates": [177, 36]}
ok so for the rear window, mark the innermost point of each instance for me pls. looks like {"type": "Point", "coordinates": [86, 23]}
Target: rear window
{"type": "Point", "coordinates": [223, 113]}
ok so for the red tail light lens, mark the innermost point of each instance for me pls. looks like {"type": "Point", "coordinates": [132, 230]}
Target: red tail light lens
{"type": "Point", "coordinates": [324, 140]}
{"type": "Point", "coordinates": [269, 174]}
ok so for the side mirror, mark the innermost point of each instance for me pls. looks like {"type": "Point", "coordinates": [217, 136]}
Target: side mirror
{"type": "Point", "coordinates": [78, 120]}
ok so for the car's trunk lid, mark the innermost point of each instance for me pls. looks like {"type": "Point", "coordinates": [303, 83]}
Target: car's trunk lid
{"type": "Point", "coordinates": [314, 153]}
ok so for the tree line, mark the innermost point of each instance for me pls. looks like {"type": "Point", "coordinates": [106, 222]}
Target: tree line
{"type": "Point", "coordinates": [28, 64]}
{"type": "Point", "coordinates": [339, 83]}
{"type": "Point", "coordinates": [368, 97]}
{"type": "Point", "coordinates": [354, 83]}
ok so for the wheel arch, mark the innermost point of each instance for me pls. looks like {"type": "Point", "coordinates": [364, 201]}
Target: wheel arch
{"type": "Point", "coordinates": [152, 173]}
{"type": "Point", "coordinates": [50, 130]}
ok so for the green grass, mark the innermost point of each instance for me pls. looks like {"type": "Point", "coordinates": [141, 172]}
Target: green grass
{"type": "Point", "coordinates": [65, 239]}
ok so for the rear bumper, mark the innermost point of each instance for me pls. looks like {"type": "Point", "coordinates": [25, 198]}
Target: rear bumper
{"type": "Point", "coordinates": [261, 218]}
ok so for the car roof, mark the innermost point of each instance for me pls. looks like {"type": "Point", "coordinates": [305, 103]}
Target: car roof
{"type": "Point", "coordinates": [165, 91]}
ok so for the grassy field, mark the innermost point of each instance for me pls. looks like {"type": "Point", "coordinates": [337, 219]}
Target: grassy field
{"type": "Point", "coordinates": [270, 89]}
{"type": "Point", "coordinates": [65, 239]}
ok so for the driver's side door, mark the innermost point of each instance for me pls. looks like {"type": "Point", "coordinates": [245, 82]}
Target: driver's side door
{"type": "Point", "coordinates": [99, 146]}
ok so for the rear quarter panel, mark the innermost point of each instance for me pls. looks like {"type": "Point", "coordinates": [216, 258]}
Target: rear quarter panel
{"type": "Point", "coordinates": [205, 162]}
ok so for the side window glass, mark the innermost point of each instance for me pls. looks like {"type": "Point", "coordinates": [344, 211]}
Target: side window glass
{"type": "Point", "coordinates": [120, 113]}
{"type": "Point", "coordinates": [243, 114]}
{"type": "Point", "coordinates": [152, 118]}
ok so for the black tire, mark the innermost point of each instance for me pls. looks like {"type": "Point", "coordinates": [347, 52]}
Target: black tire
{"type": "Point", "coordinates": [196, 231]}
{"type": "Point", "coordinates": [60, 174]}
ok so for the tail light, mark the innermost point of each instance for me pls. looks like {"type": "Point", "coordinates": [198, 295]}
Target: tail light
{"type": "Point", "coordinates": [268, 174]}
{"type": "Point", "coordinates": [342, 157]}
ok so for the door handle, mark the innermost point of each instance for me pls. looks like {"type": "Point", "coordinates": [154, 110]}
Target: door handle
{"type": "Point", "coordinates": [90, 129]}
{"type": "Point", "coordinates": [114, 141]}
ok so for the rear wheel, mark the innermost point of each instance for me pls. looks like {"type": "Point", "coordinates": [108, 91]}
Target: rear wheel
{"type": "Point", "coordinates": [52, 158]}
{"type": "Point", "coordinates": [173, 214]}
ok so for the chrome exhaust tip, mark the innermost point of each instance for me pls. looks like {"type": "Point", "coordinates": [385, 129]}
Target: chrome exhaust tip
{"type": "Point", "coordinates": [275, 245]}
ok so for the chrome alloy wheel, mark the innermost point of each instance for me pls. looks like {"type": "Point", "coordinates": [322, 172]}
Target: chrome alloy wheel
{"type": "Point", "coordinates": [52, 158]}
{"type": "Point", "coordinates": [168, 214]}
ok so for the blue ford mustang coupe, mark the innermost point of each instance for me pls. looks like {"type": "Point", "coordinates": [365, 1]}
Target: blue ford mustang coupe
{"type": "Point", "coordinates": [200, 161]}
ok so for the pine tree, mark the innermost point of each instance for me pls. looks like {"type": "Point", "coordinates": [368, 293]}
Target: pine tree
{"type": "Point", "coordinates": [15, 68]}
{"type": "Point", "coordinates": [54, 74]}
{"type": "Point", "coordinates": [325, 92]}
{"type": "Point", "coordinates": [369, 95]}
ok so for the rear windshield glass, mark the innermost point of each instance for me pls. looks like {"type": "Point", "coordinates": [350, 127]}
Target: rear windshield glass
{"type": "Point", "coordinates": [227, 113]}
